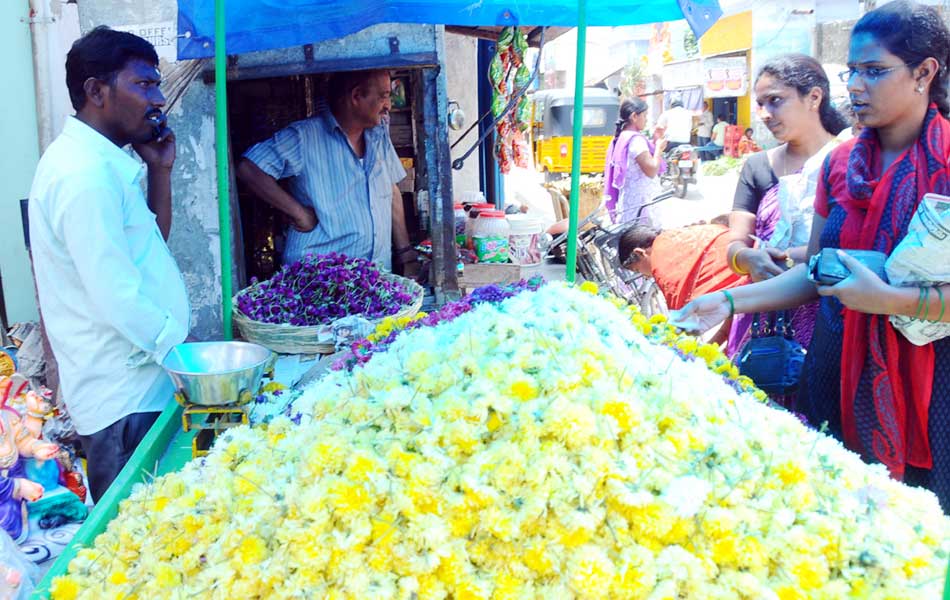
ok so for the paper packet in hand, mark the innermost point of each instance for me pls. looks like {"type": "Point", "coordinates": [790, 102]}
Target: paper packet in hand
{"type": "Point", "coordinates": [922, 258]}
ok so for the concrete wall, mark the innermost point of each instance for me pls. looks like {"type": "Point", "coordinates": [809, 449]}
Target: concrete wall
{"type": "Point", "coordinates": [461, 72]}
{"type": "Point", "coordinates": [194, 236]}
{"type": "Point", "coordinates": [55, 28]}
{"type": "Point", "coordinates": [20, 155]}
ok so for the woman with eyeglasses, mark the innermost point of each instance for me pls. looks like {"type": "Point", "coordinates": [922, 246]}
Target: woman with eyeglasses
{"type": "Point", "coordinates": [772, 211]}
{"type": "Point", "coordinates": [886, 398]}
{"type": "Point", "coordinates": [631, 176]}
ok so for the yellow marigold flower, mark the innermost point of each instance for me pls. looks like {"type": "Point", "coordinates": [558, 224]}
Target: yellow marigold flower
{"type": "Point", "coordinates": [590, 572]}
{"type": "Point", "coordinates": [494, 422]}
{"type": "Point", "coordinates": [725, 550]}
{"type": "Point", "coordinates": [166, 577]}
{"type": "Point", "coordinates": [524, 390]}
{"type": "Point", "coordinates": [791, 473]}
{"type": "Point", "coordinates": [252, 550]}
{"type": "Point", "coordinates": [658, 319]}
{"type": "Point", "coordinates": [272, 387]}
{"type": "Point", "coordinates": [789, 592]}
{"type": "Point", "coordinates": [590, 287]}
{"type": "Point", "coordinates": [915, 564]}
{"type": "Point", "coordinates": [811, 571]}
{"type": "Point", "coordinates": [689, 345]}
{"type": "Point", "coordinates": [118, 577]}
{"type": "Point", "coordinates": [64, 588]}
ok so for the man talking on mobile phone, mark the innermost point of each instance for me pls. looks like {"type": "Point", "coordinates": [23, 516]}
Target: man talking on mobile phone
{"type": "Point", "coordinates": [112, 297]}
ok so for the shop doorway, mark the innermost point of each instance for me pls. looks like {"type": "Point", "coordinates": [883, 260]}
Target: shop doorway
{"type": "Point", "coordinates": [258, 108]}
{"type": "Point", "coordinates": [728, 107]}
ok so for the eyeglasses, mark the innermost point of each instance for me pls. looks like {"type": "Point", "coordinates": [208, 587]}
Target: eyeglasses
{"type": "Point", "coordinates": [868, 74]}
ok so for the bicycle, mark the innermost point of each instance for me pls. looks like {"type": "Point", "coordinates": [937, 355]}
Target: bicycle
{"type": "Point", "coordinates": [598, 259]}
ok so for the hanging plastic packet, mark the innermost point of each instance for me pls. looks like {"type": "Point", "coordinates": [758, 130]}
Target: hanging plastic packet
{"type": "Point", "coordinates": [519, 46]}
{"type": "Point", "coordinates": [498, 104]}
{"type": "Point", "coordinates": [496, 73]}
{"type": "Point", "coordinates": [520, 151]}
{"type": "Point", "coordinates": [505, 38]}
{"type": "Point", "coordinates": [522, 78]}
{"type": "Point", "coordinates": [503, 153]}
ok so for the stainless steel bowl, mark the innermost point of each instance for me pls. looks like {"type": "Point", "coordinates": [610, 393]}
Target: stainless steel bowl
{"type": "Point", "coordinates": [218, 373]}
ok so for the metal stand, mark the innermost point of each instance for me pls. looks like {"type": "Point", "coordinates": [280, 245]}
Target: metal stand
{"type": "Point", "coordinates": [209, 421]}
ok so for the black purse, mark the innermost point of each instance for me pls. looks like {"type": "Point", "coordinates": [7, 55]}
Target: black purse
{"type": "Point", "coordinates": [771, 358]}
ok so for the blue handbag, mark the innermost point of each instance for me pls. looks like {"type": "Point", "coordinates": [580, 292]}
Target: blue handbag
{"type": "Point", "coordinates": [771, 358]}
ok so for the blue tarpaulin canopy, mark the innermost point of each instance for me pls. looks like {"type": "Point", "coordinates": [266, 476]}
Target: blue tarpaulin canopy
{"type": "Point", "coordinates": [268, 24]}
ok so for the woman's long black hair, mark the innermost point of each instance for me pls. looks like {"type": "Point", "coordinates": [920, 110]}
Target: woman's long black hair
{"type": "Point", "coordinates": [912, 32]}
{"type": "Point", "coordinates": [628, 108]}
{"type": "Point", "coordinates": [804, 73]}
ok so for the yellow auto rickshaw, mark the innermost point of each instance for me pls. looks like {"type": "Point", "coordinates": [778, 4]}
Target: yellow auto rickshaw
{"type": "Point", "coordinates": [552, 123]}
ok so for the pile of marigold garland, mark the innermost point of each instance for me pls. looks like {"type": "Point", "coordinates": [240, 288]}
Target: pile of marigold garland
{"type": "Point", "coordinates": [540, 447]}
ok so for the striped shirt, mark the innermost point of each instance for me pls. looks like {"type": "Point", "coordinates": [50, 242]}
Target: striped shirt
{"type": "Point", "coordinates": [352, 198]}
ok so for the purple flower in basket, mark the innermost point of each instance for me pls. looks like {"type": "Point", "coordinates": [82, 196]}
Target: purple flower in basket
{"type": "Point", "coordinates": [321, 288]}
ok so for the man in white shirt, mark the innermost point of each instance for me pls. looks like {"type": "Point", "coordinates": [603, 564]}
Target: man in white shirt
{"type": "Point", "coordinates": [675, 124]}
{"type": "Point", "coordinates": [704, 129]}
{"type": "Point", "coordinates": [112, 297]}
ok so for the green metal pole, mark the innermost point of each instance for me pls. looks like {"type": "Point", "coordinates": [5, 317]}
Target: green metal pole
{"type": "Point", "coordinates": [221, 155]}
{"type": "Point", "coordinates": [578, 136]}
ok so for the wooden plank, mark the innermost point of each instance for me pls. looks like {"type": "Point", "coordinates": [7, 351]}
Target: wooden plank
{"type": "Point", "coordinates": [143, 463]}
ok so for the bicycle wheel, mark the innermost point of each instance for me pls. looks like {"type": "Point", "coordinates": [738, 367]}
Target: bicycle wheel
{"type": "Point", "coordinates": [652, 301]}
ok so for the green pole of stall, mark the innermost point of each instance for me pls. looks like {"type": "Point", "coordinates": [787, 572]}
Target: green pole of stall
{"type": "Point", "coordinates": [221, 156]}
{"type": "Point", "coordinates": [578, 136]}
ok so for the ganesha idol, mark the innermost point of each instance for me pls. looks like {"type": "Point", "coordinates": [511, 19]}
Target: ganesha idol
{"type": "Point", "coordinates": [20, 439]}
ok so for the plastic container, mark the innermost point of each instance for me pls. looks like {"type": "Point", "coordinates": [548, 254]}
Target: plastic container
{"type": "Point", "coordinates": [470, 197]}
{"type": "Point", "coordinates": [523, 247]}
{"type": "Point", "coordinates": [490, 237]}
{"type": "Point", "coordinates": [472, 215]}
{"type": "Point", "coordinates": [460, 220]}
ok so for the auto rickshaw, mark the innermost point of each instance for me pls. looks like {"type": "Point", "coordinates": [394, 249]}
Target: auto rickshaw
{"type": "Point", "coordinates": [552, 124]}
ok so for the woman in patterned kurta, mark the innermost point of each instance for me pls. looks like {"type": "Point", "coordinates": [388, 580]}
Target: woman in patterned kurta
{"type": "Point", "coordinates": [886, 398]}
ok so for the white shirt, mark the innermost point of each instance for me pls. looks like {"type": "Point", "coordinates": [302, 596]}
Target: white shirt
{"type": "Point", "coordinates": [112, 297]}
{"type": "Point", "coordinates": [677, 124]}
{"type": "Point", "coordinates": [705, 125]}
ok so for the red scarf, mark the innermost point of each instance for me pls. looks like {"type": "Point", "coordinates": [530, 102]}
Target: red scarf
{"type": "Point", "coordinates": [900, 374]}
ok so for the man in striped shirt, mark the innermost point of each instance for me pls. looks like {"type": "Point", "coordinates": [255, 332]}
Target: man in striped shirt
{"type": "Point", "coordinates": [343, 170]}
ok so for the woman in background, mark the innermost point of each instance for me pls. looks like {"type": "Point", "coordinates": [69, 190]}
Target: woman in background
{"type": "Point", "coordinates": [631, 176]}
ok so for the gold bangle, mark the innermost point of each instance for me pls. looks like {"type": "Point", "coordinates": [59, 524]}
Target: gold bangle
{"type": "Point", "coordinates": [734, 264]}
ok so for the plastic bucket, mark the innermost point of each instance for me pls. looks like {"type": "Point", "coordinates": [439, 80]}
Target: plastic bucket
{"type": "Point", "coordinates": [523, 248]}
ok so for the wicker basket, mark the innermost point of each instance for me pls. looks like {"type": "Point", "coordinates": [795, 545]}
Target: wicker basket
{"type": "Point", "coordinates": [312, 339]}
{"type": "Point", "coordinates": [589, 198]}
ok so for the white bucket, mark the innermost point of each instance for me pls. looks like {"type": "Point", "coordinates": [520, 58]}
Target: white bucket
{"type": "Point", "coordinates": [523, 248]}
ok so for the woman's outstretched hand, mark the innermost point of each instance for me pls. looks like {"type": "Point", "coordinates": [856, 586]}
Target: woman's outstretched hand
{"type": "Point", "coordinates": [702, 314]}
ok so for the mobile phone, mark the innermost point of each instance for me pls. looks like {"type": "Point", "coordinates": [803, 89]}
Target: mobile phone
{"type": "Point", "coordinates": [158, 120]}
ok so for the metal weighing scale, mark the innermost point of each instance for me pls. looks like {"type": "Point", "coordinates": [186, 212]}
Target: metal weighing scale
{"type": "Point", "coordinates": [214, 382]}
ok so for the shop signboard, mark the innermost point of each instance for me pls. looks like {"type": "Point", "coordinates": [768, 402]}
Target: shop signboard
{"type": "Point", "coordinates": [726, 76]}
{"type": "Point", "coordinates": [682, 74]}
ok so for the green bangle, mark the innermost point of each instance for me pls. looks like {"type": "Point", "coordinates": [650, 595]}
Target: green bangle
{"type": "Point", "coordinates": [943, 307]}
{"type": "Point", "coordinates": [732, 303]}
{"type": "Point", "coordinates": [920, 302]}
{"type": "Point", "coordinates": [927, 303]}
